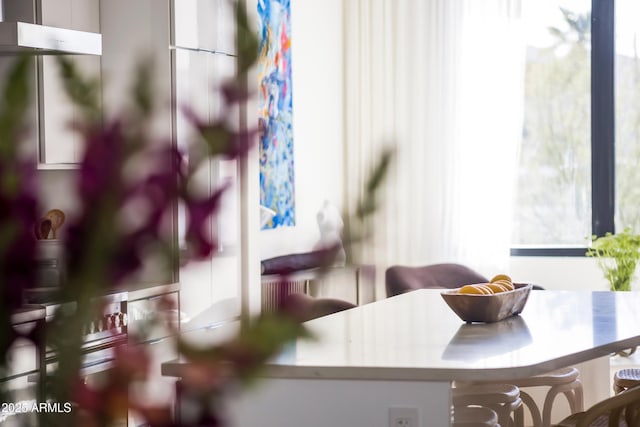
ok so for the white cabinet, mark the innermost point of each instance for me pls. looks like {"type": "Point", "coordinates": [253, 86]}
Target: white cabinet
{"type": "Point", "coordinates": [182, 36]}
{"type": "Point", "coordinates": [83, 15]}
{"type": "Point", "coordinates": [59, 144]}
{"type": "Point", "coordinates": [196, 77]}
{"type": "Point", "coordinates": [204, 40]}
{"type": "Point", "coordinates": [135, 31]}
{"type": "Point", "coordinates": [205, 24]}
{"type": "Point", "coordinates": [147, 323]}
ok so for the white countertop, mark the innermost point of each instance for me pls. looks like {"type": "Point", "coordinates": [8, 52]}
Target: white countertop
{"type": "Point", "coordinates": [416, 336]}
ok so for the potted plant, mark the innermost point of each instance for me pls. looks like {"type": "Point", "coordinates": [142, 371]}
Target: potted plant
{"type": "Point", "coordinates": [617, 256]}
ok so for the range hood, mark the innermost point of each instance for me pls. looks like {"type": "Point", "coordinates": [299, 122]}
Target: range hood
{"type": "Point", "coordinates": [16, 37]}
{"type": "Point", "coordinates": [21, 32]}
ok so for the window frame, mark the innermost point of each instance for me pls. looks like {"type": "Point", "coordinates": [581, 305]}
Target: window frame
{"type": "Point", "coordinates": [602, 131]}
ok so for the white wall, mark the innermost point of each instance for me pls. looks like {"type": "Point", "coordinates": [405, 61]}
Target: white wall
{"type": "Point", "coordinates": [57, 190]}
{"type": "Point", "coordinates": [318, 117]}
{"type": "Point", "coordinates": [562, 273]}
{"type": "Point", "coordinates": [565, 273]}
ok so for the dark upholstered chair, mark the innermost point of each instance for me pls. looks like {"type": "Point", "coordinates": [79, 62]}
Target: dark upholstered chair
{"type": "Point", "coordinates": [400, 279]}
{"type": "Point", "coordinates": [305, 307]}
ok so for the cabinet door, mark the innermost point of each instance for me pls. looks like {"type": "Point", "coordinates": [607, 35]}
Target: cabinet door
{"type": "Point", "coordinates": [132, 32]}
{"type": "Point", "coordinates": [197, 78]}
{"type": "Point", "coordinates": [148, 327]}
{"type": "Point", "coordinates": [59, 144]}
{"type": "Point", "coordinates": [83, 15]}
{"type": "Point", "coordinates": [214, 282]}
{"type": "Point", "coordinates": [157, 390]}
{"type": "Point", "coordinates": [205, 24]}
{"type": "Point", "coordinates": [148, 320]}
{"type": "Point", "coordinates": [31, 136]}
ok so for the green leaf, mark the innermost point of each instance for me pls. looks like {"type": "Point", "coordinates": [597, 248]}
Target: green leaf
{"type": "Point", "coordinates": [16, 98]}
{"type": "Point", "coordinates": [83, 91]}
{"type": "Point", "coordinates": [617, 256]}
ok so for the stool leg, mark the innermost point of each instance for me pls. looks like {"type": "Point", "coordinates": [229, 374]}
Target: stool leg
{"type": "Point", "coordinates": [548, 405]}
{"type": "Point", "coordinates": [578, 396]}
{"type": "Point", "coordinates": [536, 417]}
{"type": "Point", "coordinates": [518, 416]}
{"type": "Point", "coordinates": [573, 393]}
{"type": "Point", "coordinates": [503, 414]}
{"type": "Point", "coordinates": [571, 398]}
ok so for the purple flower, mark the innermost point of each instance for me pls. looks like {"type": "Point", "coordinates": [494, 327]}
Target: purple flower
{"type": "Point", "coordinates": [199, 211]}
{"type": "Point", "coordinates": [17, 219]}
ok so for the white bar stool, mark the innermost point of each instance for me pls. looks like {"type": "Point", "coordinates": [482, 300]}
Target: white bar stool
{"type": "Point", "coordinates": [565, 381]}
{"type": "Point", "coordinates": [503, 399]}
{"type": "Point", "coordinates": [625, 379]}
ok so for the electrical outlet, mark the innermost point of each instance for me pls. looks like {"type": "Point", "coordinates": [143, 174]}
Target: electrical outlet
{"type": "Point", "coordinates": [403, 417]}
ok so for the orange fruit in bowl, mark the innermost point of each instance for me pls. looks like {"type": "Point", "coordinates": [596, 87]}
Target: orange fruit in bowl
{"type": "Point", "coordinates": [470, 289]}
{"type": "Point", "coordinates": [498, 287]}
{"type": "Point", "coordinates": [477, 289]}
{"type": "Point", "coordinates": [485, 287]}
{"type": "Point", "coordinates": [506, 284]}
{"type": "Point", "coordinates": [501, 277]}
{"type": "Point", "coordinates": [504, 280]}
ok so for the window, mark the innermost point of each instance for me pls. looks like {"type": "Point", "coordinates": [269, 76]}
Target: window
{"type": "Point", "coordinates": [581, 134]}
{"type": "Point", "coordinates": [555, 150]}
{"type": "Point", "coordinates": [627, 115]}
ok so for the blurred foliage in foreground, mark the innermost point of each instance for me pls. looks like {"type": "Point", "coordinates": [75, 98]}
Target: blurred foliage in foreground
{"type": "Point", "coordinates": [103, 249]}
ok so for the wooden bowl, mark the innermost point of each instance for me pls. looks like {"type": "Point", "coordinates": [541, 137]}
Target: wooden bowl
{"type": "Point", "coordinates": [488, 308]}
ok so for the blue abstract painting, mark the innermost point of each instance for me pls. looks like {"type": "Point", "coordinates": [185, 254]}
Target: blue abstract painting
{"type": "Point", "coordinates": [276, 112]}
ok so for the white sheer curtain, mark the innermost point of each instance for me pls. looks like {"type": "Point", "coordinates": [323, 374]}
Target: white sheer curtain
{"type": "Point", "coordinates": [442, 82]}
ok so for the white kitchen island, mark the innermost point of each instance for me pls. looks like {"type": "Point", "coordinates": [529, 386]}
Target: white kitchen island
{"type": "Point", "coordinates": [405, 351]}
